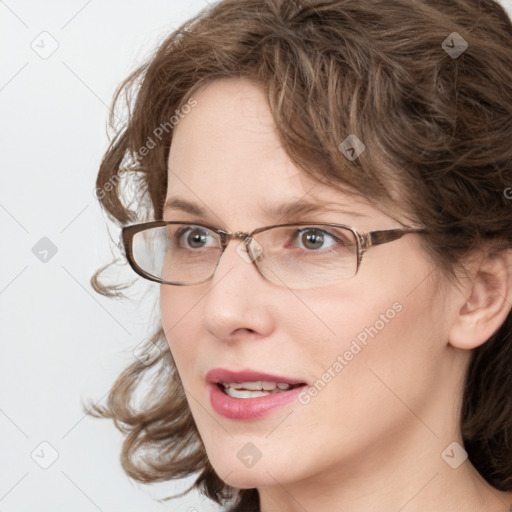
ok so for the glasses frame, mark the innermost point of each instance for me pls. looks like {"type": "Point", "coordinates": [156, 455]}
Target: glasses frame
{"type": "Point", "coordinates": [364, 242]}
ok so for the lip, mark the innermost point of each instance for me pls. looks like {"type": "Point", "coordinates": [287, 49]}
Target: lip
{"type": "Point", "coordinates": [248, 408]}
{"type": "Point", "coordinates": [223, 375]}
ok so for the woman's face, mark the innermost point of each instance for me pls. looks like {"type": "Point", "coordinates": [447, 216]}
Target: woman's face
{"type": "Point", "coordinates": [375, 345]}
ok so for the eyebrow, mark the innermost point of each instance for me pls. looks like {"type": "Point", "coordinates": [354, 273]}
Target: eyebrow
{"type": "Point", "coordinates": [288, 211]}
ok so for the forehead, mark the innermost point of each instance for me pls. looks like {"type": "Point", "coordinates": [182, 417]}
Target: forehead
{"type": "Point", "coordinates": [226, 156]}
{"type": "Point", "coordinates": [230, 131]}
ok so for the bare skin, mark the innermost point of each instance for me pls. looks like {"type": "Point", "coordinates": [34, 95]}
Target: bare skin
{"type": "Point", "coordinates": [379, 435]}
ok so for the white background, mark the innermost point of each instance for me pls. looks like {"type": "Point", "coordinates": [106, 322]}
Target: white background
{"type": "Point", "coordinates": [60, 341]}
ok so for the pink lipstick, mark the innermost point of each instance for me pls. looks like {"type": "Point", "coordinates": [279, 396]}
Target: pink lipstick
{"type": "Point", "coordinates": [250, 395]}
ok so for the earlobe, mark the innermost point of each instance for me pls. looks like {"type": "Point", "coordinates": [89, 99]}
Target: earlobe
{"type": "Point", "coordinates": [485, 303]}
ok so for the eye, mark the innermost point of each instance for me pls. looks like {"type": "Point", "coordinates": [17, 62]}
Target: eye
{"type": "Point", "coordinates": [194, 237]}
{"type": "Point", "coordinates": [314, 239]}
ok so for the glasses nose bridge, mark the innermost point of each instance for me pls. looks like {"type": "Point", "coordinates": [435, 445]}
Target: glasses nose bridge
{"type": "Point", "coordinates": [225, 238]}
{"type": "Point", "coordinates": [244, 237]}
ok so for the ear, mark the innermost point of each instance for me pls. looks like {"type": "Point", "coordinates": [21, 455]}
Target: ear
{"type": "Point", "coordinates": [485, 303]}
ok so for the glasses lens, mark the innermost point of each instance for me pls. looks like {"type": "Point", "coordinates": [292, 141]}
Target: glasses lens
{"type": "Point", "coordinates": [177, 253]}
{"type": "Point", "coordinates": [307, 256]}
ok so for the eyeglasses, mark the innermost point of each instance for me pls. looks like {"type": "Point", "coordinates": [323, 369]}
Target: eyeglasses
{"type": "Point", "coordinates": [301, 255]}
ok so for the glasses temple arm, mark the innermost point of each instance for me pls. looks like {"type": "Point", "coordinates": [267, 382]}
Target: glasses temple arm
{"type": "Point", "coordinates": [384, 236]}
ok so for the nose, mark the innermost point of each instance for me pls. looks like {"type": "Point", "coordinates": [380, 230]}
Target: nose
{"type": "Point", "coordinates": [239, 300]}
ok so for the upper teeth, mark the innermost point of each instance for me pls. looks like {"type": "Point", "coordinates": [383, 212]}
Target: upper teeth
{"type": "Point", "coordinates": [258, 385]}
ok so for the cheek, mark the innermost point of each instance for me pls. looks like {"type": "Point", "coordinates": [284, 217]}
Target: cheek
{"type": "Point", "coordinates": [385, 351]}
{"type": "Point", "coordinates": [179, 310]}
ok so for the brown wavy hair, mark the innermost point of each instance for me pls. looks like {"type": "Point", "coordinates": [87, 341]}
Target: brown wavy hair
{"type": "Point", "coordinates": [437, 130]}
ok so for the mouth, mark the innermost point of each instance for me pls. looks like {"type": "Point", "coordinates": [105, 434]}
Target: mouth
{"type": "Point", "coordinates": [250, 394]}
{"type": "Point", "coordinates": [255, 389]}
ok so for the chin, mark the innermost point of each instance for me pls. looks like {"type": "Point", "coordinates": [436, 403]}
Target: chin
{"type": "Point", "coordinates": [236, 475]}
{"type": "Point", "coordinates": [246, 479]}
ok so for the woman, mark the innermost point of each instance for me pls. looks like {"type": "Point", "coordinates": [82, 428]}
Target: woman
{"type": "Point", "coordinates": [321, 190]}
